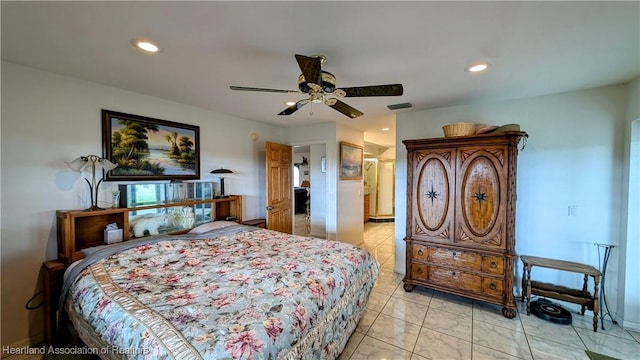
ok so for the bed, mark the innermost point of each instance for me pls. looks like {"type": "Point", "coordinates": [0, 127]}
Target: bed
{"type": "Point", "coordinates": [223, 292]}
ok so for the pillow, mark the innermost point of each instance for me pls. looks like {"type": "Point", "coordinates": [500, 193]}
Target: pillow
{"type": "Point", "coordinates": [88, 251]}
{"type": "Point", "coordinates": [211, 226]}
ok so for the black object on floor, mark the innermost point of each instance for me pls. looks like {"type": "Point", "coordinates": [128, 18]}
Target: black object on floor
{"type": "Point", "coordinates": [550, 311]}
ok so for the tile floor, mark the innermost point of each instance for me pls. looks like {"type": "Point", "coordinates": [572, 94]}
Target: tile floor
{"type": "Point", "coordinates": [426, 324]}
{"type": "Point", "coordinates": [300, 226]}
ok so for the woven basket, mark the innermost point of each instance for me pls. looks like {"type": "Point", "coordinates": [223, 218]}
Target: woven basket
{"type": "Point", "coordinates": [459, 129]}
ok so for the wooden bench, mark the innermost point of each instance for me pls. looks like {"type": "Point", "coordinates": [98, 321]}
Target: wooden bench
{"type": "Point", "coordinates": [581, 297]}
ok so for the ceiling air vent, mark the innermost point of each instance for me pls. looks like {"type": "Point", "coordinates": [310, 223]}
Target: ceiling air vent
{"type": "Point", "coordinates": [399, 106]}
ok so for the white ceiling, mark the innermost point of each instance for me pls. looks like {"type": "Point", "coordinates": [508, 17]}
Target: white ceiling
{"type": "Point", "coordinates": [534, 48]}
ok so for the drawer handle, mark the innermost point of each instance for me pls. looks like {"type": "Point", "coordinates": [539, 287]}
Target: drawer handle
{"type": "Point", "coordinates": [455, 254]}
{"type": "Point", "coordinates": [420, 252]}
{"type": "Point", "coordinates": [493, 265]}
{"type": "Point", "coordinates": [453, 273]}
{"type": "Point", "coordinates": [419, 271]}
{"type": "Point", "coordinates": [492, 286]}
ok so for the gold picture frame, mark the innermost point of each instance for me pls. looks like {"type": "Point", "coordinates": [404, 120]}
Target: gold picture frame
{"type": "Point", "coordinates": [351, 157]}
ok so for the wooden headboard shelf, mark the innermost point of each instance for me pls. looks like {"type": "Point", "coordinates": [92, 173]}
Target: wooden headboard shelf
{"type": "Point", "coordinates": [81, 229]}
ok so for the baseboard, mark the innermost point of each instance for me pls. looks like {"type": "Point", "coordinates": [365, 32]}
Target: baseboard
{"type": "Point", "coordinates": [631, 325]}
{"type": "Point", "coordinates": [381, 220]}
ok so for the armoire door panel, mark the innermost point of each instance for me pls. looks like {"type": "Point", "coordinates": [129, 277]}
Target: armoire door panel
{"type": "Point", "coordinates": [433, 204]}
{"type": "Point", "coordinates": [481, 193]}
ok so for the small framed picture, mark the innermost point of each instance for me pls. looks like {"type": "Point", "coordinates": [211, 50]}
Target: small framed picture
{"type": "Point", "coordinates": [350, 161]}
{"type": "Point", "coordinates": [306, 172]}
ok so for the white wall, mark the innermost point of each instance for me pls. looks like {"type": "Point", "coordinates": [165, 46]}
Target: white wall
{"type": "Point", "coordinates": [318, 191]}
{"type": "Point", "coordinates": [350, 198]}
{"type": "Point", "coordinates": [390, 153]}
{"type": "Point", "coordinates": [629, 265]}
{"type": "Point", "coordinates": [574, 156]}
{"type": "Point", "coordinates": [48, 119]}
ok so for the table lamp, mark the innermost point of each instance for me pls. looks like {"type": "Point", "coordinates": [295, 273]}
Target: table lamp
{"type": "Point", "coordinates": [93, 162]}
{"type": "Point", "coordinates": [220, 172]}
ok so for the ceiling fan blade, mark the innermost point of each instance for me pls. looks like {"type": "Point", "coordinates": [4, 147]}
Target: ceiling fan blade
{"type": "Point", "coordinates": [293, 108]}
{"type": "Point", "coordinates": [375, 90]}
{"type": "Point", "coordinates": [311, 68]}
{"type": "Point", "coordinates": [242, 88]}
{"type": "Point", "coordinates": [343, 108]}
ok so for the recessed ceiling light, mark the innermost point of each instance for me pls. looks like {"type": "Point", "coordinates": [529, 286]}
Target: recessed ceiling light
{"type": "Point", "coordinates": [385, 129]}
{"type": "Point", "coordinates": [476, 67]}
{"type": "Point", "coordinates": [145, 45]}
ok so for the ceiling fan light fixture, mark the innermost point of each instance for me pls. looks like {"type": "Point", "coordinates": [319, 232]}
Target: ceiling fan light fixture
{"type": "Point", "coordinates": [145, 45]}
{"type": "Point", "coordinates": [317, 98]}
{"type": "Point", "coordinates": [477, 67]}
{"type": "Point", "coordinates": [290, 103]}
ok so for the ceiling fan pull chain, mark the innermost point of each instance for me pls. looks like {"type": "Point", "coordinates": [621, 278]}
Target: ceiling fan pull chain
{"type": "Point", "coordinates": [311, 108]}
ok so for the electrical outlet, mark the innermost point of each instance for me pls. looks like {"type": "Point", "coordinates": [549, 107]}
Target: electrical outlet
{"type": "Point", "coordinates": [572, 210]}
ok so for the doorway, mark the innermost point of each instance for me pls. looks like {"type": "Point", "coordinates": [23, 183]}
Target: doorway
{"type": "Point", "coordinates": [379, 183]}
{"type": "Point", "coordinates": [309, 190]}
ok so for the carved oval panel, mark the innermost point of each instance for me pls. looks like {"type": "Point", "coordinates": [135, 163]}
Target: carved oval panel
{"type": "Point", "coordinates": [480, 196]}
{"type": "Point", "coordinates": [433, 194]}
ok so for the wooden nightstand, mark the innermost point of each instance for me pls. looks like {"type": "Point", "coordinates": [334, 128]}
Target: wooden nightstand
{"type": "Point", "coordinates": [52, 277]}
{"type": "Point", "coordinates": [261, 223]}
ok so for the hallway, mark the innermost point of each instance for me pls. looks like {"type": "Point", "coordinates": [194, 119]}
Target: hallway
{"type": "Point", "coordinates": [301, 225]}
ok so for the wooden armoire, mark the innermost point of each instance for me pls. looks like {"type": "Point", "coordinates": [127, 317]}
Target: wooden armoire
{"type": "Point", "coordinates": [461, 196]}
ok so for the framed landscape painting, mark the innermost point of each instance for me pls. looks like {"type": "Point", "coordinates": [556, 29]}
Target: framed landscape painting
{"type": "Point", "coordinates": [149, 149]}
{"type": "Point", "coordinates": [350, 161]}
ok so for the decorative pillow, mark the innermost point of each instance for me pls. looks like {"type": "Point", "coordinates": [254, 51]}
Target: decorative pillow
{"type": "Point", "coordinates": [211, 226]}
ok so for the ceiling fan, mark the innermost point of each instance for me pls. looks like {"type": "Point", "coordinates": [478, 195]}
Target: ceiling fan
{"type": "Point", "coordinates": [320, 85]}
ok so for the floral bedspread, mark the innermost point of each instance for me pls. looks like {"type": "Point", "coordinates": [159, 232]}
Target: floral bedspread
{"type": "Point", "coordinates": [251, 295]}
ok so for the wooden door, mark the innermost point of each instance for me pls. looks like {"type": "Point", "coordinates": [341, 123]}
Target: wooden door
{"type": "Point", "coordinates": [432, 183]}
{"type": "Point", "coordinates": [481, 193]}
{"type": "Point", "coordinates": [279, 188]}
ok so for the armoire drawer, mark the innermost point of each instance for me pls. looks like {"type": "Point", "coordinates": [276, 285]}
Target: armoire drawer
{"type": "Point", "coordinates": [492, 287]}
{"type": "Point", "coordinates": [493, 265]}
{"type": "Point", "coordinates": [454, 279]}
{"type": "Point", "coordinates": [455, 258]}
{"type": "Point", "coordinates": [419, 272]}
{"type": "Point", "coordinates": [420, 252]}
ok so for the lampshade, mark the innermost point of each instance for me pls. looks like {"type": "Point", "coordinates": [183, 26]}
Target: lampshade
{"type": "Point", "coordinates": [221, 171]}
{"type": "Point", "coordinates": [78, 163]}
{"type": "Point", "coordinates": [106, 164]}
{"type": "Point", "coordinates": [305, 184]}
{"type": "Point", "coordinates": [82, 163]}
